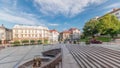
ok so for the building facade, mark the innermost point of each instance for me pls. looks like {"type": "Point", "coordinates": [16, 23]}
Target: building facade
{"type": "Point", "coordinates": [53, 36]}
{"type": "Point", "coordinates": [73, 34]}
{"type": "Point", "coordinates": [65, 35]}
{"type": "Point", "coordinates": [25, 32]}
{"type": "Point", "coordinates": [5, 35]}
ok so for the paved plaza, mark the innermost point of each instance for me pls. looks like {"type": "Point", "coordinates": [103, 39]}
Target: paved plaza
{"type": "Point", "coordinates": [12, 57]}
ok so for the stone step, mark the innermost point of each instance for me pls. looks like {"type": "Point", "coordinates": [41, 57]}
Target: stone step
{"type": "Point", "coordinates": [95, 57]}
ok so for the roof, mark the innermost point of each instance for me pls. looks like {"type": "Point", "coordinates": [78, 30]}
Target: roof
{"type": "Point", "coordinates": [72, 29]}
{"type": "Point", "coordinates": [66, 31]}
{"type": "Point", "coordinates": [53, 30]}
{"type": "Point", "coordinates": [115, 10]}
{"type": "Point", "coordinates": [30, 26]}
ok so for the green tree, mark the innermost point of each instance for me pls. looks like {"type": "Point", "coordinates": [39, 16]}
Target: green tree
{"type": "Point", "coordinates": [105, 25]}
{"type": "Point", "coordinates": [90, 28]}
{"type": "Point", "coordinates": [109, 25]}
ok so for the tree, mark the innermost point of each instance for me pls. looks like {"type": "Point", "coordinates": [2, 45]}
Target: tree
{"type": "Point", "coordinates": [109, 24]}
{"type": "Point", "coordinates": [105, 25]}
{"type": "Point", "coordinates": [90, 28]}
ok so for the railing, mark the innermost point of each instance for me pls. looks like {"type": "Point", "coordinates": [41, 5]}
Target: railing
{"type": "Point", "coordinates": [54, 63]}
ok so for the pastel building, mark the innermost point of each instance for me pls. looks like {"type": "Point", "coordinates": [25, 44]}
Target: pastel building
{"type": "Point", "coordinates": [74, 34]}
{"type": "Point", "coordinates": [27, 32]}
{"type": "Point", "coordinates": [53, 36]}
{"type": "Point", "coordinates": [64, 35]}
{"type": "Point", "coordinates": [5, 35]}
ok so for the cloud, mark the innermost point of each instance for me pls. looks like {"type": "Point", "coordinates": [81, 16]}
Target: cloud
{"type": "Point", "coordinates": [111, 6]}
{"type": "Point", "coordinates": [10, 13]}
{"type": "Point", "coordinates": [20, 18]}
{"type": "Point", "coordinates": [51, 24]}
{"type": "Point", "coordinates": [68, 8]}
{"type": "Point", "coordinates": [15, 19]}
{"type": "Point", "coordinates": [9, 3]}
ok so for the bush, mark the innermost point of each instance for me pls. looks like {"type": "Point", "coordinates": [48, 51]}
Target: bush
{"type": "Point", "coordinates": [104, 39]}
{"type": "Point", "coordinates": [45, 41]}
{"type": "Point", "coordinates": [25, 41]}
{"type": "Point", "coordinates": [84, 39]}
{"type": "Point", "coordinates": [87, 42]}
{"type": "Point", "coordinates": [32, 41]}
{"type": "Point", "coordinates": [39, 42]}
{"type": "Point", "coordinates": [16, 43]}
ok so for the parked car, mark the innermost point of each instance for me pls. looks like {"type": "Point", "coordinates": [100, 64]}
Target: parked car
{"type": "Point", "coordinates": [95, 42]}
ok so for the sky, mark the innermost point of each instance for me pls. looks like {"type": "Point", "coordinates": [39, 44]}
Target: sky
{"type": "Point", "coordinates": [54, 14]}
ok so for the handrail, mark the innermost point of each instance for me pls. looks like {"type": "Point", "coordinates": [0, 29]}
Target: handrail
{"type": "Point", "coordinates": [56, 61]}
{"type": "Point", "coordinates": [53, 62]}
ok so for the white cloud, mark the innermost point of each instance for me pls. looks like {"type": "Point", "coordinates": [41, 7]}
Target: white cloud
{"type": "Point", "coordinates": [68, 8]}
{"type": "Point", "coordinates": [111, 6]}
{"type": "Point", "coordinates": [21, 18]}
{"type": "Point", "coordinates": [15, 19]}
{"type": "Point", "coordinates": [12, 15]}
{"type": "Point", "coordinates": [53, 24]}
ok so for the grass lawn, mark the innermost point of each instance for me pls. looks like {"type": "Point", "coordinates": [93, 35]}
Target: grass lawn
{"type": "Point", "coordinates": [83, 40]}
{"type": "Point", "coordinates": [104, 39]}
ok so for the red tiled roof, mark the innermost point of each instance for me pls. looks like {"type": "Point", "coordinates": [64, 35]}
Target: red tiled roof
{"type": "Point", "coordinates": [72, 29]}
{"type": "Point", "coordinates": [66, 31]}
{"type": "Point", "coordinates": [53, 30]}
